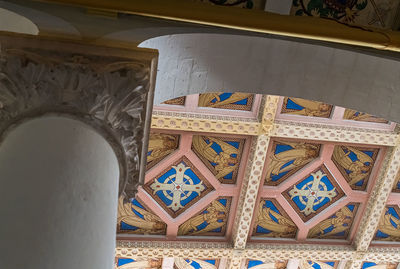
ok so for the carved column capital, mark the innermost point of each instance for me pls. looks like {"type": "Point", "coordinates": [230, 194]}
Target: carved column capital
{"type": "Point", "coordinates": [107, 88]}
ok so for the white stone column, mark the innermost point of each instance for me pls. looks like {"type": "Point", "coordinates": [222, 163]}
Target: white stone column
{"type": "Point", "coordinates": [58, 196]}
{"type": "Point", "coordinates": [73, 129]}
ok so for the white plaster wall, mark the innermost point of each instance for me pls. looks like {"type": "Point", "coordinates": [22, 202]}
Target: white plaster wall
{"type": "Point", "coordinates": [12, 22]}
{"type": "Point", "coordinates": [195, 63]}
{"type": "Point", "coordinates": [58, 197]}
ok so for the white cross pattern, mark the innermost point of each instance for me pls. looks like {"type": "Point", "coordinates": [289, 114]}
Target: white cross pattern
{"type": "Point", "coordinates": [182, 183]}
{"type": "Point", "coordinates": [313, 193]}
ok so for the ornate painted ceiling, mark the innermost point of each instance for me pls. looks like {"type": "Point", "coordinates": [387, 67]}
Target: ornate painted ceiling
{"type": "Point", "coordinates": [238, 180]}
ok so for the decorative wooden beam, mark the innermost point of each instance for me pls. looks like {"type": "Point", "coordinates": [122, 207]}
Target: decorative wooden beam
{"type": "Point", "coordinates": [264, 252]}
{"type": "Point", "coordinates": [253, 175]}
{"type": "Point", "coordinates": [321, 132]}
{"type": "Point", "coordinates": [203, 123]}
{"type": "Point", "coordinates": [185, 121]}
{"type": "Point", "coordinates": [377, 200]}
{"type": "Point", "coordinates": [154, 249]}
{"type": "Point", "coordinates": [236, 260]}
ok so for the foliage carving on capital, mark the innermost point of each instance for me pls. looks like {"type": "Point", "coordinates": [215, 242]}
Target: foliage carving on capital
{"type": "Point", "coordinates": [111, 94]}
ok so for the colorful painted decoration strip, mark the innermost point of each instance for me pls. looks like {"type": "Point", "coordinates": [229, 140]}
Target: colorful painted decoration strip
{"type": "Point", "coordinates": [303, 107]}
{"type": "Point", "coordinates": [234, 101]}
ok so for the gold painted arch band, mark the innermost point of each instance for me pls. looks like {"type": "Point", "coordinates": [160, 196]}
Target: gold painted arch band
{"type": "Point", "coordinates": [248, 20]}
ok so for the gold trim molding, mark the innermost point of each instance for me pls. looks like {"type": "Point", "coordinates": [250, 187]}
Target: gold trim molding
{"type": "Point", "coordinates": [247, 20]}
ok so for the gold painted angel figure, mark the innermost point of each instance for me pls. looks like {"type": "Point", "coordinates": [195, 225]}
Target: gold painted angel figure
{"type": "Point", "coordinates": [181, 263]}
{"type": "Point", "coordinates": [271, 265]}
{"type": "Point", "coordinates": [224, 160]}
{"type": "Point", "coordinates": [283, 227]}
{"type": "Point", "coordinates": [142, 264]}
{"type": "Point", "coordinates": [350, 114]}
{"type": "Point", "coordinates": [300, 154]}
{"type": "Point", "coordinates": [310, 108]}
{"type": "Point", "coordinates": [149, 224]}
{"type": "Point", "coordinates": [160, 145]}
{"type": "Point", "coordinates": [386, 226]}
{"type": "Point", "coordinates": [358, 169]}
{"type": "Point", "coordinates": [215, 217]}
{"type": "Point", "coordinates": [306, 265]}
{"type": "Point", "coordinates": [384, 266]}
{"type": "Point", "coordinates": [340, 223]}
{"type": "Point", "coordinates": [205, 100]}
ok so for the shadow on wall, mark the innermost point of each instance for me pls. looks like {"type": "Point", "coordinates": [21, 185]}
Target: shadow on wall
{"type": "Point", "coordinates": [12, 22]}
{"type": "Point", "coordinates": [200, 63]}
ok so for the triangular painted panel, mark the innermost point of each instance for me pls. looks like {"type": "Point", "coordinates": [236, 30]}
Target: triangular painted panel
{"type": "Point", "coordinates": [287, 158]}
{"type": "Point", "coordinates": [272, 221]}
{"type": "Point", "coordinates": [212, 220]}
{"type": "Point", "coordinates": [135, 218]}
{"type": "Point", "coordinates": [222, 155]}
{"type": "Point", "coordinates": [337, 226]}
{"type": "Point", "coordinates": [355, 164]}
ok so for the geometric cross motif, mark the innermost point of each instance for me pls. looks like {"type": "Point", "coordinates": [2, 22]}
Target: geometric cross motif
{"type": "Point", "coordinates": [181, 263]}
{"type": "Point", "coordinates": [221, 155]}
{"type": "Point", "coordinates": [355, 164]}
{"type": "Point", "coordinates": [210, 221]}
{"type": "Point", "coordinates": [336, 226]}
{"type": "Point", "coordinates": [314, 193]}
{"type": "Point", "coordinates": [235, 101]}
{"type": "Point", "coordinates": [178, 187]}
{"type": "Point", "coordinates": [256, 264]}
{"type": "Point", "coordinates": [287, 158]}
{"type": "Point", "coordinates": [389, 225]}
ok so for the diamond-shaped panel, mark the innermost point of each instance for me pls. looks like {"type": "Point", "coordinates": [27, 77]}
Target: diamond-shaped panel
{"type": "Point", "coordinates": [178, 187]}
{"type": "Point", "coordinates": [312, 194]}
